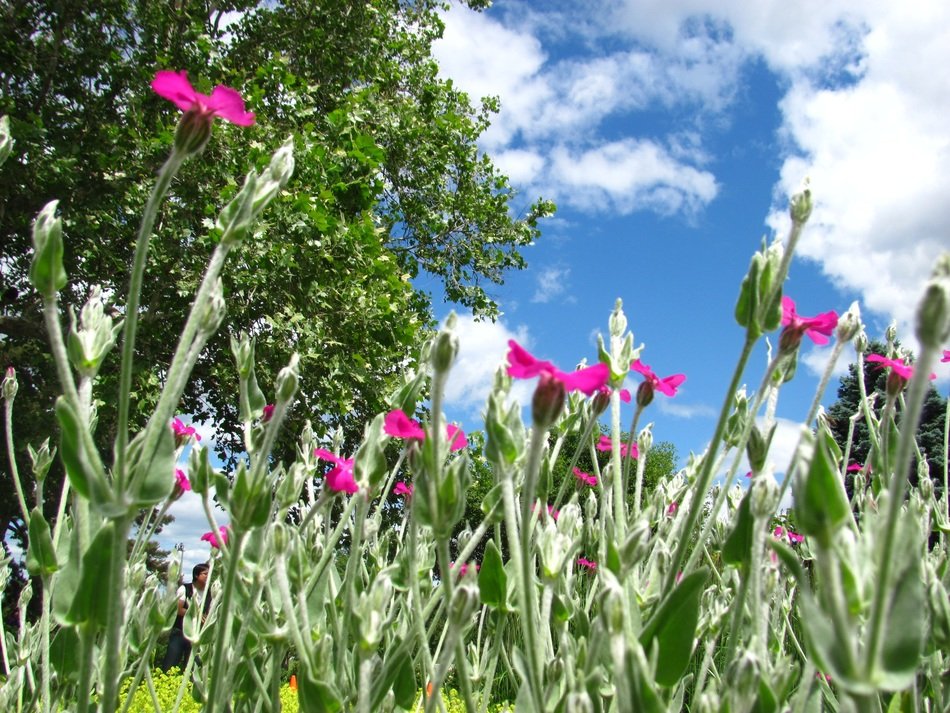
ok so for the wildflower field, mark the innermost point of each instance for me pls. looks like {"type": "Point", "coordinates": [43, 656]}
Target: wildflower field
{"type": "Point", "coordinates": [575, 590]}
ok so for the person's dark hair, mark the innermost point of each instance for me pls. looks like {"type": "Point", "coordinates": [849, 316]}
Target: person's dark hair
{"type": "Point", "coordinates": [198, 569]}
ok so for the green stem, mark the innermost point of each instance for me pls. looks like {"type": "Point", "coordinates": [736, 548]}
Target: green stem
{"type": "Point", "coordinates": [223, 628]}
{"type": "Point", "coordinates": [917, 390]}
{"type": "Point", "coordinates": [115, 586]}
{"type": "Point", "coordinates": [14, 471]}
{"type": "Point", "coordinates": [165, 176]}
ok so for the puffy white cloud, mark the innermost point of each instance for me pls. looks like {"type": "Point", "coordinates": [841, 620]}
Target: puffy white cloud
{"type": "Point", "coordinates": [551, 282]}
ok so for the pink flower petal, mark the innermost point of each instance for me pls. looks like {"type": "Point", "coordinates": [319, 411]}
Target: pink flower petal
{"type": "Point", "coordinates": [589, 564]}
{"type": "Point", "coordinates": [522, 365]}
{"type": "Point", "coordinates": [456, 436]}
{"type": "Point", "coordinates": [399, 425]}
{"type": "Point", "coordinates": [403, 489]}
{"type": "Point", "coordinates": [175, 87]}
{"type": "Point", "coordinates": [182, 480]}
{"type": "Point", "coordinates": [587, 380]}
{"type": "Point", "coordinates": [217, 539]}
{"type": "Point", "coordinates": [591, 480]}
{"type": "Point", "coordinates": [227, 103]}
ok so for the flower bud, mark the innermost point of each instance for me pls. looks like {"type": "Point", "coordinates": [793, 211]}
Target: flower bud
{"type": "Point", "coordinates": [933, 314]}
{"type": "Point", "coordinates": [46, 271]}
{"type": "Point", "coordinates": [600, 402]}
{"type": "Point", "coordinates": [637, 544]}
{"type": "Point", "coordinates": [800, 206]}
{"type": "Point", "coordinates": [288, 379]}
{"type": "Point", "coordinates": [243, 350]}
{"type": "Point", "coordinates": [10, 385]}
{"type": "Point", "coordinates": [193, 131]}
{"type": "Point", "coordinates": [280, 537]}
{"type": "Point", "coordinates": [91, 339]}
{"type": "Point", "coordinates": [235, 219]}
{"type": "Point", "coordinates": [446, 346]}
{"type": "Point", "coordinates": [6, 141]}
{"type": "Point", "coordinates": [618, 320]}
{"type": "Point", "coordinates": [645, 440]}
{"type": "Point", "coordinates": [764, 496]}
{"type": "Point", "coordinates": [214, 309]}
{"type": "Point", "coordinates": [282, 163]}
{"type": "Point", "coordinates": [645, 393]}
{"type": "Point", "coordinates": [41, 459]}
{"type": "Point", "coordinates": [372, 611]}
{"type": "Point", "coordinates": [464, 602]}
{"type": "Point", "coordinates": [849, 324]}
{"type": "Point", "coordinates": [926, 487]}
{"type": "Point", "coordinates": [890, 334]}
{"type": "Point", "coordinates": [861, 342]}
{"type": "Point", "coordinates": [548, 400]}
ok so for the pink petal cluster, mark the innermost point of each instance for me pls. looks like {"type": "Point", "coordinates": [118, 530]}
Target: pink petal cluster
{"type": "Point", "coordinates": [268, 413]}
{"type": "Point", "coordinates": [854, 467]}
{"type": "Point", "coordinates": [897, 366]}
{"type": "Point", "coordinates": [340, 478]}
{"type": "Point", "coordinates": [592, 566]}
{"type": "Point", "coordinates": [667, 385]}
{"type": "Point", "coordinates": [522, 365]}
{"type": "Point", "coordinates": [403, 489]}
{"type": "Point", "coordinates": [606, 444]}
{"type": "Point", "coordinates": [181, 480]}
{"type": "Point", "coordinates": [224, 101]}
{"type": "Point", "coordinates": [671, 510]}
{"type": "Point", "coordinates": [946, 356]}
{"type": "Point", "coordinates": [624, 393]}
{"type": "Point", "coordinates": [217, 539]}
{"type": "Point", "coordinates": [183, 432]}
{"type": "Point", "coordinates": [780, 532]}
{"type": "Point", "coordinates": [463, 570]}
{"type": "Point", "coordinates": [398, 425]}
{"type": "Point", "coordinates": [818, 328]}
{"type": "Point", "coordinates": [591, 480]}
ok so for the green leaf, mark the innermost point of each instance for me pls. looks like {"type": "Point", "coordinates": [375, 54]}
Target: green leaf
{"type": "Point", "coordinates": [673, 626]}
{"type": "Point", "coordinates": [317, 695]}
{"type": "Point", "coordinates": [737, 549]}
{"type": "Point", "coordinates": [153, 473]}
{"type": "Point", "coordinates": [747, 304]}
{"type": "Point", "coordinates": [81, 473]}
{"type": "Point", "coordinates": [64, 653]}
{"type": "Point", "coordinates": [404, 685]}
{"type": "Point", "coordinates": [903, 641]}
{"type": "Point", "coordinates": [492, 580]}
{"type": "Point", "coordinates": [92, 603]}
{"type": "Point", "coordinates": [40, 554]}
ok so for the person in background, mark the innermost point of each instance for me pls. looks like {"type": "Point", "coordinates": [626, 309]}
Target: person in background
{"type": "Point", "coordinates": [179, 648]}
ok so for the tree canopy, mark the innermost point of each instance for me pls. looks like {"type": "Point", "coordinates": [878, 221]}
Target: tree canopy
{"type": "Point", "coordinates": [390, 184]}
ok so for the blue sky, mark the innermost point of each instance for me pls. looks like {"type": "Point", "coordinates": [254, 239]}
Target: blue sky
{"type": "Point", "coordinates": [670, 134]}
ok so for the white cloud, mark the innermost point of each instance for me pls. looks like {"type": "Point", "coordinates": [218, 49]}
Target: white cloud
{"type": "Point", "coordinates": [189, 525]}
{"type": "Point", "coordinates": [678, 409]}
{"type": "Point", "coordinates": [628, 175]}
{"type": "Point", "coordinates": [551, 282]}
{"type": "Point", "coordinates": [482, 349]}
{"type": "Point", "coordinates": [816, 360]}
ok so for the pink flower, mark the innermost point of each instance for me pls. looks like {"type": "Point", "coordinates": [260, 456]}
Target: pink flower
{"type": "Point", "coordinates": [780, 532]}
{"type": "Point", "coordinates": [671, 510]}
{"type": "Point", "coordinates": [217, 539]}
{"type": "Point", "coordinates": [224, 101]}
{"type": "Point", "coordinates": [946, 356]}
{"type": "Point", "coordinates": [463, 570]}
{"type": "Point", "coordinates": [897, 366]}
{"type": "Point", "coordinates": [340, 478]}
{"type": "Point", "coordinates": [398, 425]}
{"type": "Point", "coordinates": [592, 566]}
{"type": "Point", "coordinates": [854, 467]}
{"type": "Point", "coordinates": [667, 386]}
{"type": "Point", "coordinates": [183, 432]}
{"type": "Point", "coordinates": [181, 480]}
{"type": "Point", "coordinates": [818, 329]}
{"type": "Point", "coordinates": [606, 444]}
{"type": "Point", "coordinates": [456, 436]}
{"type": "Point", "coordinates": [403, 489]}
{"type": "Point", "coordinates": [551, 511]}
{"type": "Point", "coordinates": [591, 480]}
{"type": "Point", "coordinates": [748, 474]}
{"type": "Point", "coordinates": [522, 365]}
{"type": "Point", "coordinates": [268, 413]}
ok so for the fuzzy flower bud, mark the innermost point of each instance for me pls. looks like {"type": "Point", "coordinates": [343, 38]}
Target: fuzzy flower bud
{"type": "Point", "coordinates": [926, 487]}
{"type": "Point", "coordinates": [41, 460]}
{"type": "Point", "coordinates": [645, 393]}
{"type": "Point", "coordinates": [214, 309]}
{"type": "Point", "coordinates": [645, 440]}
{"type": "Point", "coordinates": [10, 385]}
{"type": "Point", "coordinates": [46, 271]}
{"type": "Point", "coordinates": [91, 339]}
{"type": "Point", "coordinates": [288, 379]}
{"type": "Point", "coordinates": [800, 206]}
{"type": "Point", "coordinates": [764, 497]}
{"type": "Point", "coordinates": [446, 346]}
{"type": "Point", "coordinates": [933, 314]}
{"type": "Point", "coordinates": [548, 400]}
{"type": "Point", "coordinates": [6, 140]}
{"type": "Point", "coordinates": [193, 131]}
{"type": "Point", "coordinates": [849, 324]}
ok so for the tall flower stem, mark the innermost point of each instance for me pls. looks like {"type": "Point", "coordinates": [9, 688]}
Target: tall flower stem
{"type": "Point", "coordinates": [115, 586]}
{"type": "Point", "coordinates": [223, 627]}
{"type": "Point", "coordinates": [165, 176]}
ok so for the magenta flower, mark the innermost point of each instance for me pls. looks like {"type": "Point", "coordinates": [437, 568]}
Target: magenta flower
{"type": "Point", "coordinates": [463, 570]}
{"type": "Point", "coordinates": [624, 393]}
{"type": "Point", "coordinates": [780, 532]}
{"type": "Point", "coordinates": [606, 444]}
{"type": "Point", "coordinates": [592, 566]}
{"type": "Point", "coordinates": [217, 539]}
{"type": "Point", "coordinates": [181, 480]}
{"type": "Point", "coordinates": [667, 386]}
{"type": "Point", "coordinates": [403, 489]}
{"type": "Point", "coordinates": [522, 365]}
{"type": "Point", "coordinates": [671, 510]}
{"type": "Point", "coordinates": [183, 432]}
{"type": "Point", "coordinates": [224, 101]}
{"type": "Point", "coordinates": [268, 413]}
{"type": "Point", "coordinates": [946, 356]}
{"type": "Point", "coordinates": [591, 480]}
{"type": "Point", "coordinates": [340, 478]}
{"type": "Point", "coordinates": [399, 425]}
{"type": "Point", "coordinates": [900, 372]}
{"type": "Point", "coordinates": [818, 329]}
{"type": "Point", "coordinates": [551, 511]}
{"type": "Point", "coordinates": [854, 467]}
